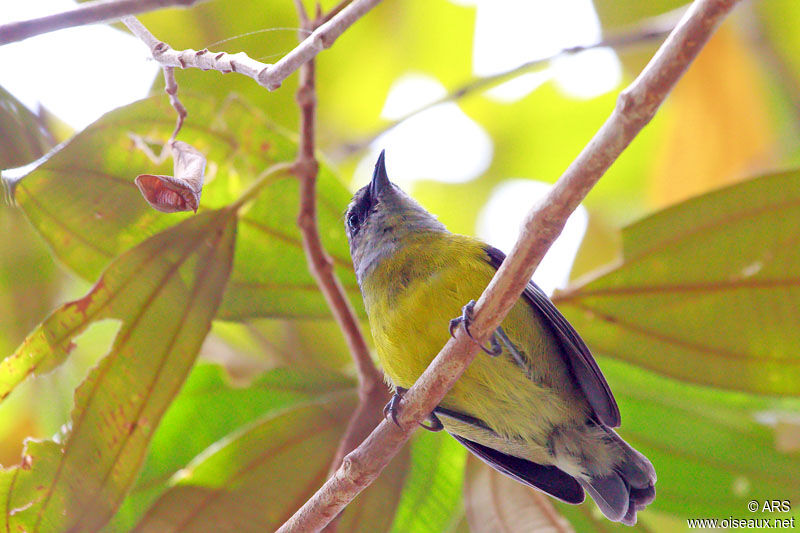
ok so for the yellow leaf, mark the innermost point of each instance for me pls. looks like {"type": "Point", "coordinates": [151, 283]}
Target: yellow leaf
{"type": "Point", "coordinates": [718, 127]}
{"type": "Point", "coordinates": [496, 503]}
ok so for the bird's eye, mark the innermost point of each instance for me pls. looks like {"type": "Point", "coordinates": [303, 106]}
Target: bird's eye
{"type": "Point", "coordinates": [352, 221]}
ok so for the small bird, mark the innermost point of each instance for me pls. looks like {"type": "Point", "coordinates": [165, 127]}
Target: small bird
{"type": "Point", "coordinates": [539, 410]}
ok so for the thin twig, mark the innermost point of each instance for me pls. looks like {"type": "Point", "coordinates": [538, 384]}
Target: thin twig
{"type": "Point", "coordinates": [171, 88]}
{"type": "Point", "coordinates": [657, 30]}
{"type": "Point", "coordinates": [266, 75]}
{"type": "Point", "coordinates": [88, 13]}
{"type": "Point", "coordinates": [636, 106]}
{"type": "Point", "coordinates": [335, 11]}
{"type": "Point", "coordinates": [170, 85]}
{"type": "Point", "coordinates": [372, 393]}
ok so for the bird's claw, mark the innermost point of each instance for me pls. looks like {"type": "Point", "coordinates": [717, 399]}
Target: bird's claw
{"type": "Point", "coordinates": [466, 320]}
{"type": "Point", "coordinates": [434, 424]}
{"type": "Point", "coordinates": [391, 409]}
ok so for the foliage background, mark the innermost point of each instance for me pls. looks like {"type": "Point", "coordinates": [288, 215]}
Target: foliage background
{"type": "Point", "coordinates": [687, 297]}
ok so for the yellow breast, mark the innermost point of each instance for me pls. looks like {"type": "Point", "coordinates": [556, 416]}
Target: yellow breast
{"type": "Point", "coordinates": [410, 298]}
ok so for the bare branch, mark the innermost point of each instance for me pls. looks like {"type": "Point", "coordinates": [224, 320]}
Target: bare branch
{"type": "Point", "coordinates": [171, 88]}
{"type": "Point", "coordinates": [636, 106]}
{"type": "Point", "coordinates": [88, 13]}
{"type": "Point", "coordinates": [655, 30]}
{"type": "Point", "coordinates": [323, 37]}
{"type": "Point", "coordinates": [371, 390]}
{"type": "Point", "coordinates": [266, 75]}
{"type": "Point", "coordinates": [335, 11]}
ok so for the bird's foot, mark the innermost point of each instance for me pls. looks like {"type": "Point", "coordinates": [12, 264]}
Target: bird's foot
{"type": "Point", "coordinates": [434, 424]}
{"type": "Point", "coordinates": [466, 320]}
{"type": "Point", "coordinates": [391, 409]}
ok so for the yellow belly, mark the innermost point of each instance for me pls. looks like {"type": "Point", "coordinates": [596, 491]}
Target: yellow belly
{"type": "Point", "coordinates": [428, 283]}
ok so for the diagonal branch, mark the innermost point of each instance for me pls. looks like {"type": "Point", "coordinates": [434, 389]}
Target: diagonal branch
{"type": "Point", "coordinates": [636, 106]}
{"type": "Point", "coordinates": [266, 75]}
{"type": "Point", "coordinates": [88, 13]}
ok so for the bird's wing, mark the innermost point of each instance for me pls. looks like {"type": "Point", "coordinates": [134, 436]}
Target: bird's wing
{"type": "Point", "coordinates": [575, 353]}
{"type": "Point", "coordinates": [546, 478]}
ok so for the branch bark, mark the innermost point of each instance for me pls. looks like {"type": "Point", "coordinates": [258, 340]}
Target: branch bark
{"type": "Point", "coordinates": [372, 393]}
{"type": "Point", "coordinates": [266, 75]}
{"type": "Point", "coordinates": [88, 13]}
{"type": "Point", "coordinates": [636, 106]}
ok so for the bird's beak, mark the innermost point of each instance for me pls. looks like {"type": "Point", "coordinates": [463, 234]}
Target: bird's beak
{"type": "Point", "coordinates": [380, 181]}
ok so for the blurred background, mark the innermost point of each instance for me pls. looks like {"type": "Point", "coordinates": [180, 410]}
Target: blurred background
{"type": "Point", "coordinates": [705, 377]}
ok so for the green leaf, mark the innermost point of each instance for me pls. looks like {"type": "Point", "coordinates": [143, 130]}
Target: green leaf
{"type": "Point", "coordinates": [706, 291]}
{"type": "Point", "coordinates": [617, 13]}
{"type": "Point", "coordinates": [709, 449]}
{"type": "Point", "coordinates": [25, 138]}
{"type": "Point", "coordinates": [84, 202]}
{"type": "Point", "coordinates": [431, 497]}
{"type": "Point", "coordinates": [254, 479]}
{"type": "Point", "coordinates": [193, 420]}
{"type": "Point", "coordinates": [165, 291]}
{"type": "Point", "coordinates": [270, 276]}
{"type": "Point", "coordinates": [416, 28]}
{"type": "Point", "coordinates": [29, 280]}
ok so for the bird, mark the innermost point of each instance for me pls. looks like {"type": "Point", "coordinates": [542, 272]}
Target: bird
{"type": "Point", "coordinates": [537, 408]}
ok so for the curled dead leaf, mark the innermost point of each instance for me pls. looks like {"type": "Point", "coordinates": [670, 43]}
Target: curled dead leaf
{"type": "Point", "coordinates": [170, 194]}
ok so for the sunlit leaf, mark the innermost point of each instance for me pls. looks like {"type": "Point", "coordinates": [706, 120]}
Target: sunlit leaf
{"type": "Point", "coordinates": [495, 503]}
{"type": "Point", "coordinates": [555, 128]}
{"type": "Point", "coordinates": [707, 291]}
{"type": "Point", "coordinates": [270, 276]}
{"type": "Point", "coordinates": [193, 420]}
{"type": "Point", "coordinates": [711, 453]}
{"type": "Point", "coordinates": [83, 199]}
{"type": "Point", "coordinates": [25, 137]}
{"type": "Point", "coordinates": [254, 479]}
{"type": "Point", "coordinates": [364, 56]}
{"type": "Point", "coordinates": [721, 93]}
{"type": "Point", "coordinates": [84, 202]}
{"type": "Point", "coordinates": [165, 292]}
{"type": "Point", "coordinates": [779, 19]}
{"type": "Point", "coordinates": [29, 279]}
{"type": "Point", "coordinates": [622, 13]}
{"type": "Point", "coordinates": [431, 498]}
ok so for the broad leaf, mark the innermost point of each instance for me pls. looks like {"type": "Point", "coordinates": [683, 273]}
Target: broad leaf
{"type": "Point", "coordinates": [29, 280]}
{"type": "Point", "coordinates": [624, 13]}
{"type": "Point", "coordinates": [25, 137]}
{"type": "Point", "coordinates": [431, 497]}
{"type": "Point", "coordinates": [193, 420]}
{"type": "Point", "coordinates": [165, 291]}
{"type": "Point", "coordinates": [707, 291]}
{"type": "Point", "coordinates": [254, 479]}
{"type": "Point", "coordinates": [495, 503]}
{"type": "Point", "coordinates": [710, 450]}
{"type": "Point", "coordinates": [84, 202]}
{"type": "Point", "coordinates": [270, 276]}
{"type": "Point", "coordinates": [721, 92]}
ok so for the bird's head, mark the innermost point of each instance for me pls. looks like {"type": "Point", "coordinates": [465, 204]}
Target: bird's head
{"type": "Point", "coordinates": [381, 219]}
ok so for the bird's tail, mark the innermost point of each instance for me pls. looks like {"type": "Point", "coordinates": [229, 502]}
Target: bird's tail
{"type": "Point", "coordinates": [629, 488]}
